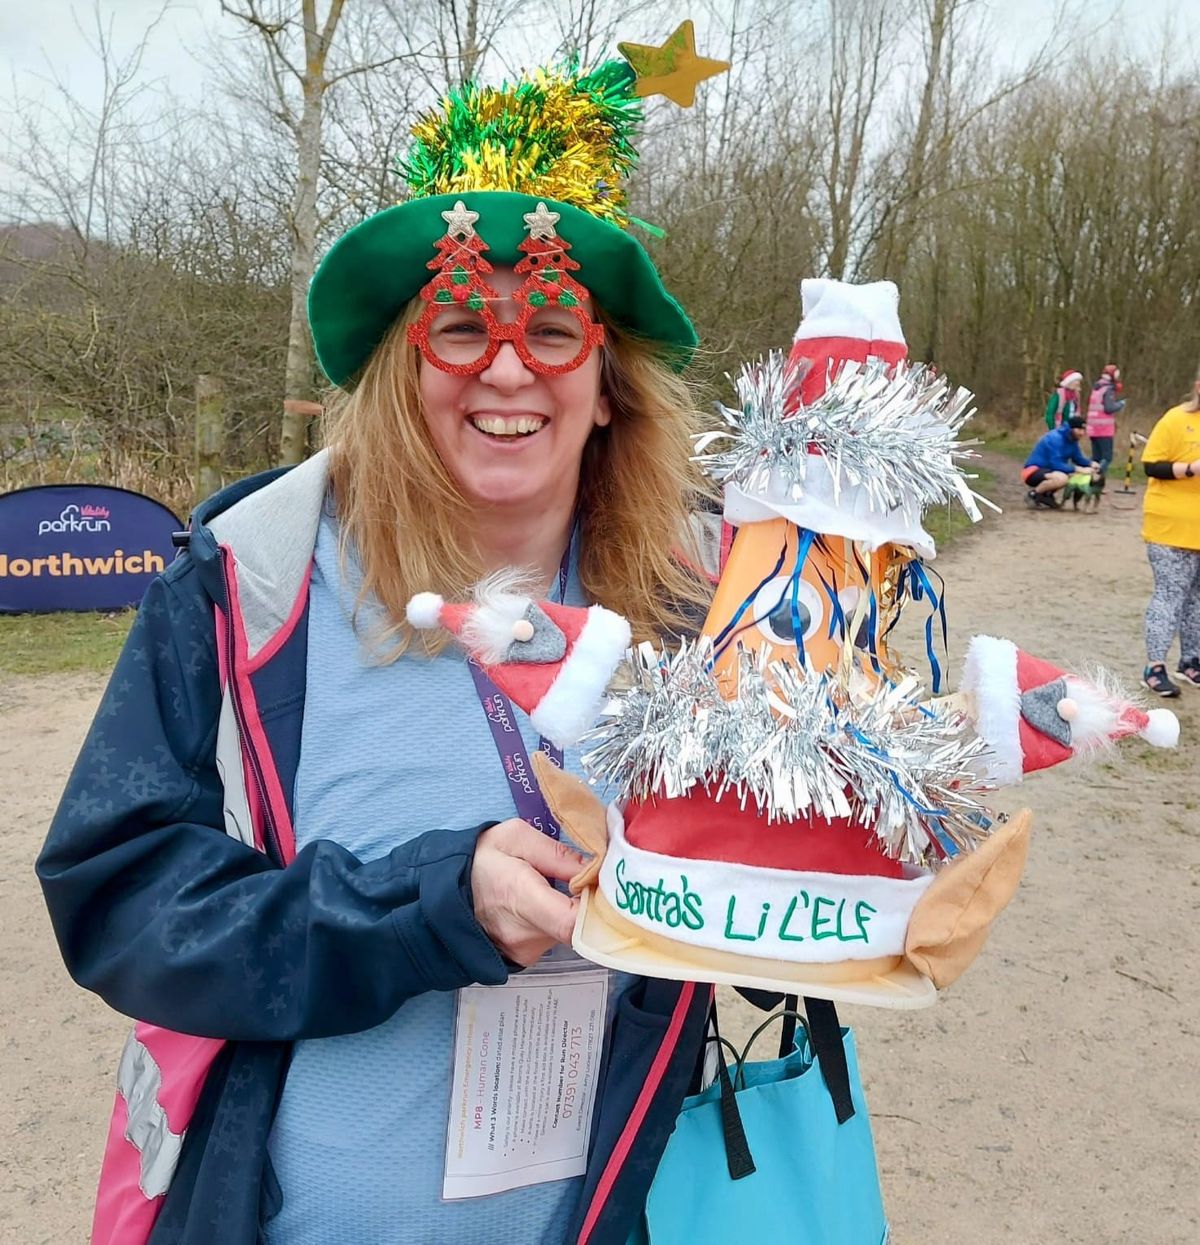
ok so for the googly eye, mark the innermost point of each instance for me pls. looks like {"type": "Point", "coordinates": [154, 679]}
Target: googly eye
{"type": "Point", "coordinates": [773, 611]}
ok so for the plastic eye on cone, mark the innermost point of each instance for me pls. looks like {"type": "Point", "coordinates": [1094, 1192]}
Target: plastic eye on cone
{"type": "Point", "coordinates": [779, 614]}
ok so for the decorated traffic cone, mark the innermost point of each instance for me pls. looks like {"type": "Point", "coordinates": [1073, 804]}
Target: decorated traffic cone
{"type": "Point", "coordinates": [812, 574]}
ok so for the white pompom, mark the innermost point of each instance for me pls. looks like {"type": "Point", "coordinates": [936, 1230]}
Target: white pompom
{"type": "Point", "coordinates": [423, 610]}
{"type": "Point", "coordinates": [1161, 729]}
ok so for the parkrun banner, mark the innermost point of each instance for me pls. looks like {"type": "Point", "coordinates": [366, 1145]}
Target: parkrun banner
{"type": "Point", "coordinates": [80, 547]}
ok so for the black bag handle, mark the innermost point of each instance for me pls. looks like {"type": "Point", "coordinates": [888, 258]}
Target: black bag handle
{"type": "Point", "coordinates": [824, 1035]}
{"type": "Point", "coordinates": [738, 1158]}
{"type": "Point", "coordinates": [820, 1020]}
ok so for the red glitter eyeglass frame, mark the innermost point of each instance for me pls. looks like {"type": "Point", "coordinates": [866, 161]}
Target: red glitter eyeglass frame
{"type": "Point", "coordinates": [498, 334]}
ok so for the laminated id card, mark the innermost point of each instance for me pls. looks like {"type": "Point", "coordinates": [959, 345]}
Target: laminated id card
{"type": "Point", "coordinates": [526, 1062]}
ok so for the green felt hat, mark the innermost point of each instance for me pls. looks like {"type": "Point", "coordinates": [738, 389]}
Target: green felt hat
{"type": "Point", "coordinates": [559, 135]}
{"type": "Point", "coordinates": [371, 273]}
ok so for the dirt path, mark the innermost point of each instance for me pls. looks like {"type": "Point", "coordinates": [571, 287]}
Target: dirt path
{"type": "Point", "coordinates": [1051, 1097]}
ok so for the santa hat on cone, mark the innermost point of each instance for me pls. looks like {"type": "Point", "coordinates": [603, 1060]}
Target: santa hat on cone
{"type": "Point", "coordinates": [553, 661]}
{"type": "Point", "coordinates": [845, 322]}
{"type": "Point", "coordinates": [1034, 715]}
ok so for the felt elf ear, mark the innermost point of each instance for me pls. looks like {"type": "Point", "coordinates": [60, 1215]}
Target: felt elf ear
{"type": "Point", "coordinates": [578, 811]}
{"type": "Point", "coordinates": [950, 923]}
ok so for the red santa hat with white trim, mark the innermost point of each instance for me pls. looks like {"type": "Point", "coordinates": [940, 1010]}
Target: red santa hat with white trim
{"type": "Point", "coordinates": [553, 661]}
{"type": "Point", "coordinates": [844, 322]}
{"type": "Point", "coordinates": [1034, 715]}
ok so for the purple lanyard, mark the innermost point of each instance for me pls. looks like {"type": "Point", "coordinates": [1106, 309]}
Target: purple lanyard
{"type": "Point", "coordinates": [527, 795]}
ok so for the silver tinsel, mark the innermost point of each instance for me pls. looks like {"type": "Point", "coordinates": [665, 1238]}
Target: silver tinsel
{"type": "Point", "coordinates": [793, 745]}
{"type": "Point", "coordinates": [893, 431]}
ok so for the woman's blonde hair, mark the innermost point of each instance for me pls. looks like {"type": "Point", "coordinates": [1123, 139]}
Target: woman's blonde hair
{"type": "Point", "coordinates": [404, 515]}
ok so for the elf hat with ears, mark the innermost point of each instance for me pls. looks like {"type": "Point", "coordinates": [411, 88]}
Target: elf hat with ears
{"type": "Point", "coordinates": [553, 661]}
{"type": "Point", "coordinates": [1034, 715]}
{"type": "Point", "coordinates": [698, 889]}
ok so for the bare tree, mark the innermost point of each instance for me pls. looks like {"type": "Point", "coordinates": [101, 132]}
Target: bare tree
{"type": "Point", "coordinates": [861, 35]}
{"type": "Point", "coordinates": [297, 54]}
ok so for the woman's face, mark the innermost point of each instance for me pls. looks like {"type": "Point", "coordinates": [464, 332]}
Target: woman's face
{"type": "Point", "coordinates": [508, 436]}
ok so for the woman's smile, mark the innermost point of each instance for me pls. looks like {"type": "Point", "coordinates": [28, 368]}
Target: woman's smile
{"type": "Point", "coordinates": [507, 426]}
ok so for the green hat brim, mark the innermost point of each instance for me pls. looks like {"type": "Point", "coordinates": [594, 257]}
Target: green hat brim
{"type": "Point", "coordinates": [372, 271]}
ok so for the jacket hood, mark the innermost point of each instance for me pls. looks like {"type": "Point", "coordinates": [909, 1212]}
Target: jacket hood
{"type": "Point", "coordinates": [268, 525]}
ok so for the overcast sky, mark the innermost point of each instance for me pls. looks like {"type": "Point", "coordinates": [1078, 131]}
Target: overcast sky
{"type": "Point", "coordinates": [38, 34]}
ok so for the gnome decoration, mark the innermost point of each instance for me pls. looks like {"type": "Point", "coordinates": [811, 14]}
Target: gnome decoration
{"type": "Point", "coordinates": [554, 661]}
{"type": "Point", "coordinates": [1034, 715]}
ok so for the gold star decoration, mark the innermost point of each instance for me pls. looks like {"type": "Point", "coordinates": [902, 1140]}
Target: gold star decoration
{"type": "Point", "coordinates": [460, 220]}
{"type": "Point", "coordinates": [541, 221]}
{"type": "Point", "coordinates": [673, 70]}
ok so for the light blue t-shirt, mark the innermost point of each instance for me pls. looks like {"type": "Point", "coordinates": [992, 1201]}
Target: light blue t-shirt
{"type": "Point", "coordinates": [388, 752]}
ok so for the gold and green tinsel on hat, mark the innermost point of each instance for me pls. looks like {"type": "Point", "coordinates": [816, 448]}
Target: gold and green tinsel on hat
{"type": "Point", "coordinates": [555, 134]}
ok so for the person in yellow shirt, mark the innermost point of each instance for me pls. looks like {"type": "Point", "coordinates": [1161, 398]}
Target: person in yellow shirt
{"type": "Point", "coordinates": [1171, 530]}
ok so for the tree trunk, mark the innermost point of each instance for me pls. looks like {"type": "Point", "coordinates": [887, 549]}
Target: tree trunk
{"type": "Point", "coordinates": [940, 15]}
{"type": "Point", "coordinates": [210, 436]}
{"type": "Point", "coordinates": [470, 52]}
{"type": "Point", "coordinates": [298, 378]}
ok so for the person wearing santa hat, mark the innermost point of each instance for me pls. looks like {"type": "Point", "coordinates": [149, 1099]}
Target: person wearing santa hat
{"type": "Point", "coordinates": [1064, 399]}
{"type": "Point", "coordinates": [1104, 405]}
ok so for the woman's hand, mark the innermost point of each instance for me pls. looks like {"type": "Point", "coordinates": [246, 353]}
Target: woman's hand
{"type": "Point", "coordinates": [519, 909]}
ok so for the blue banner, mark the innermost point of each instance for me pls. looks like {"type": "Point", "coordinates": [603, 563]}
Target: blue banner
{"type": "Point", "coordinates": [80, 547]}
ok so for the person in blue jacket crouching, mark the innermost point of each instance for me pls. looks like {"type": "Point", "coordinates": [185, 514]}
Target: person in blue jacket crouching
{"type": "Point", "coordinates": [1053, 460]}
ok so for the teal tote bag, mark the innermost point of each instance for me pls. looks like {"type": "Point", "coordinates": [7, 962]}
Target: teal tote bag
{"type": "Point", "coordinates": [780, 1151]}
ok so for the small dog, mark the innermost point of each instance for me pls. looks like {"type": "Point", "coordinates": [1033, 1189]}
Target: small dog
{"type": "Point", "coordinates": [1086, 487]}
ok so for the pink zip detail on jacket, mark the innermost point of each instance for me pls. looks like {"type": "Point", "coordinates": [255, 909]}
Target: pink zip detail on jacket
{"type": "Point", "coordinates": [620, 1153]}
{"type": "Point", "coordinates": [125, 1213]}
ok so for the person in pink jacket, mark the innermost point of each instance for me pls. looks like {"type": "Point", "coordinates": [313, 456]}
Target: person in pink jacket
{"type": "Point", "coordinates": [1104, 404]}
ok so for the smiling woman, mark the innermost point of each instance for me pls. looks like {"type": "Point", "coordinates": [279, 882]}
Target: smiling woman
{"type": "Point", "coordinates": [314, 894]}
{"type": "Point", "coordinates": [488, 468]}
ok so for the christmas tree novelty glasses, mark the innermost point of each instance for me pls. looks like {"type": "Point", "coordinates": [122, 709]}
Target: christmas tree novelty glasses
{"type": "Point", "coordinates": [549, 340]}
{"type": "Point", "coordinates": [458, 330]}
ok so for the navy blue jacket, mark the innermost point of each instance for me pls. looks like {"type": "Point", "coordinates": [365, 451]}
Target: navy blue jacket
{"type": "Point", "coordinates": [172, 920]}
